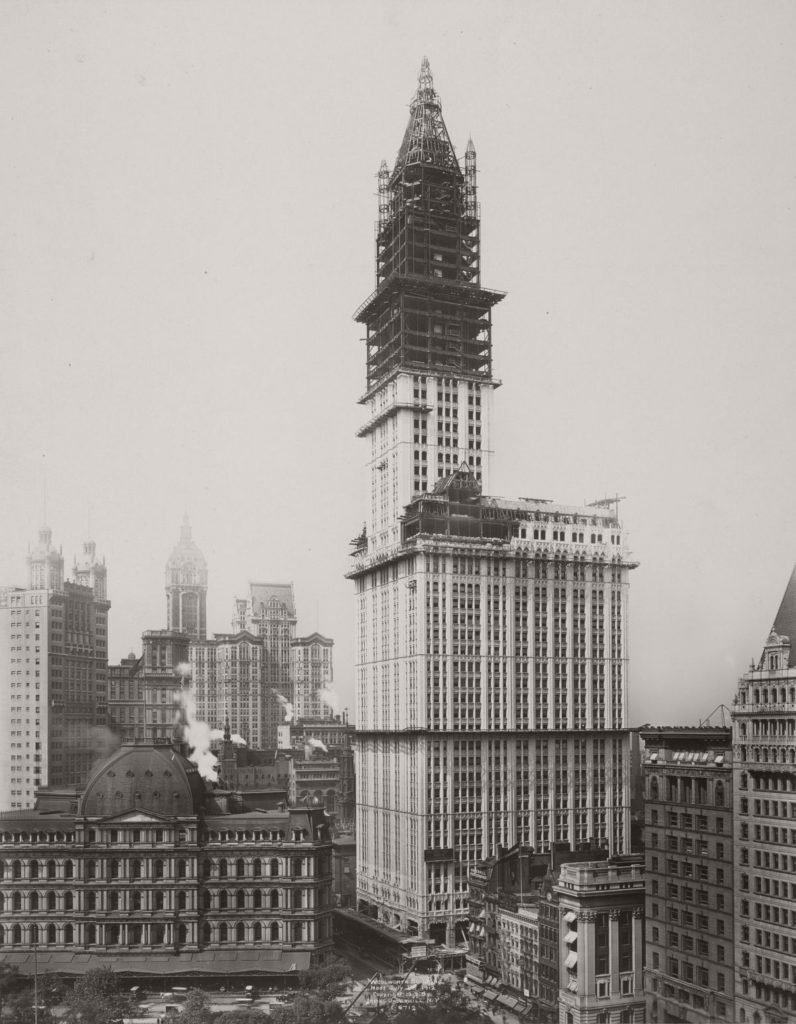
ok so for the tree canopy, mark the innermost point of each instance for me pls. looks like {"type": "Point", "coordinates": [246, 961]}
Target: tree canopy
{"type": "Point", "coordinates": [97, 998]}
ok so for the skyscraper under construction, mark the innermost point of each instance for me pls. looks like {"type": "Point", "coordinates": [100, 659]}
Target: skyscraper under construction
{"type": "Point", "coordinates": [491, 657]}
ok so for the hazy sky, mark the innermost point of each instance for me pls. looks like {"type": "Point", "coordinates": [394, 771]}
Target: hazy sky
{"type": "Point", "coordinates": [188, 199]}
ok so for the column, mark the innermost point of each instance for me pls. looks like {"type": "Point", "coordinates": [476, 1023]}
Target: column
{"type": "Point", "coordinates": [586, 954]}
{"type": "Point", "coordinates": [613, 950]}
{"type": "Point", "coordinates": [638, 950]}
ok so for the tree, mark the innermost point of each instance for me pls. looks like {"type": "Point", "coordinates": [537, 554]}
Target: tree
{"type": "Point", "coordinates": [326, 981]}
{"type": "Point", "coordinates": [196, 1008]}
{"type": "Point", "coordinates": [97, 998]}
{"type": "Point", "coordinates": [10, 981]}
{"type": "Point", "coordinates": [245, 1015]}
{"type": "Point", "coordinates": [308, 1009]}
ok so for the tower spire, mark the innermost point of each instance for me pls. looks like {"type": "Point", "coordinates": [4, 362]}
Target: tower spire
{"type": "Point", "coordinates": [426, 140]}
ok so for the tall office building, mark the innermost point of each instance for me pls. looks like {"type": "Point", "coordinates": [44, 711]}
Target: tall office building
{"type": "Point", "coordinates": [227, 672]}
{"type": "Point", "coordinates": [53, 672]}
{"type": "Point", "coordinates": [688, 776]}
{"type": "Point", "coordinates": [313, 676]}
{"type": "Point", "coordinates": [764, 764]}
{"type": "Point", "coordinates": [269, 614]}
{"type": "Point", "coordinates": [186, 587]}
{"type": "Point", "coordinates": [491, 657]}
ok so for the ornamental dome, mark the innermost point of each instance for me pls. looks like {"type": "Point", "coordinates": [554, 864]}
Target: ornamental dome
{"type": "Point", "coordinates": [138, 777]}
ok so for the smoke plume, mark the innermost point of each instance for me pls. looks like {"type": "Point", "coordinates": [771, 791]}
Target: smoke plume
{"type": "Point", "coordinates": [286, 705]}
{"type": "Point", "coordinates": [330, 698]}
{"type": "Point", "coordinates": [194, 732]}
{"type": "Point", "coordinates": [314, 744]}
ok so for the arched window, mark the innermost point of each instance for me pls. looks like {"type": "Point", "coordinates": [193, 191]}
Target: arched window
{"type": "Point", "coordinates": [51, 935]}
{"type": "Point", "coordinates": [158, 933]}
{"type": "Point", "coordinates": [240, 899]}
{"type": "Point", "coordinates": [16, 869]}
{"type": "Point", "coordinates": [113, 901]}
{"type": "Point", "coordinates": [654, 788]}
{"type": "Point", "coordinates": [34, 901]}
{"type": "Point", "coordinates": [91, 900]}
{"type": "Point", "coordinates": [297, 865]}
{"type": "Point", "coordinates": [16, 935]}
{"type": "Point", "coordinates": [182, 901]}
{"type": "Point", "coordinates": [91, 869]}
{"type": "Point", "coordinates": [2, 869]}
{"type": "Point", "coordinates": [135, 869]}
{"type": "Point", "coordinates": [240, 867]}
{"type": "Point", "coordinates": [136, 899]}
{"type": "Point", "coordinates": [69, 869]}
{"type": "Point", "coordinates": [51, 901]}
{"type": "Point", "coordinates": [257, 899]}
{"type": "Point", "coordinates": [2, 902]}
{"type": "Point", "coordinates": [297, 899]}
{"type": "Point", "coordinates": [182, 868]}
{"type": "Point", "coordinates": [182, 934]}
{"type": "Point", "coordinates": [257, 867]}
{"type": "Point", "coordinates": [222, 900]}
{"type": "Point", "coordinates": [222, 868]}
{"type": "Point", "coordinates": [34, 869]}
{"type": "Point", "coordinates": [274, 931]}
{"type": "Point", "coordinates": [208, 900]}
{"type": "Point", "coordinates": [719, 794]}
{"type": "Point", "coordinates": [113, 868]}
{"type": "Point", "coordinates": [159, 901]}
{"type": "Point", "coordinates": [134, 934]}
{"type": "Point", "coordinates": [51, 869]}
{"type": "Point", "coordinates": [258, 932]}
{"type": "Point", "coordinates": [207, 868]}
{"type": "Point", "coordinates": [207, 933]}
{"type": "Point", "coordinates": [274, 899]}
{"type": "Point", "coordinates": [69, 901]}
{"type": "Point", "coordinates": [17, 900]}
{"type": "Point", "coordinates": [222, 932]}
{"type": "Point", "coordinates": [69, 935]}
{"type": "Point", "coordinates": [158, 866]}
{"type": "Point", "coordinates": [273, 868]}
{"type": "Point", "coordinates": [241, 932]}
{"type": "Point", "coordinates": [34, 933]}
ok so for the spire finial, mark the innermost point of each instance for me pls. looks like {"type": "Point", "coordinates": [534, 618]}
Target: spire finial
{"type": "Point", "coordinates": [425, 84]}
{"type": "Point", "coordinates": [185, 532]}
{"type": "Point", "coordinates": [227, 730]}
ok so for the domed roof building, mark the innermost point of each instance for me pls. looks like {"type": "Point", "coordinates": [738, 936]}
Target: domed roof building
{"type": "Point", "coordinates": [159, 873]}
{"type": "Point", "coordinates": [159, 779]}
{"type": "Point", "coordinates": [186, 587]}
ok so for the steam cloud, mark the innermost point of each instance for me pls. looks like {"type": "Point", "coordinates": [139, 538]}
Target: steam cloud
{"type": "Point", "coordinates": [330, 698]}
{"type": "Point", "coordinates": [286, 705]}
{"type": "Point", "coordinates": [218, 734]}
{"type": "Point", "coordinates": [317, 745]}
{"type": "Point", "coordinates": [195, 733]}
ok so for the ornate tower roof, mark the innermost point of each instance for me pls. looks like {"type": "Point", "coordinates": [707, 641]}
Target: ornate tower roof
{"type": "Point", "coordinates": [186, 554]}
{"type": "Point", "coordinates": [426, 140]}
{"type": "Point", "coordinates": [186, 587]}
{"type": "Point", "coordinates": [46, 563]}
{"type": "Point", "coordinates": [785, 622]}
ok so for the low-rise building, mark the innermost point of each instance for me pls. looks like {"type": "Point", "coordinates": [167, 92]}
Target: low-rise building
{"type": "Point", "coordinates": [601, 945]}
{"type": "Point", "coordinates": [155, 860]}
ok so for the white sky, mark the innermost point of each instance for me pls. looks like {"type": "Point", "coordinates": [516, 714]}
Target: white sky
{"type": "Point", "coordinates": [188, 198]}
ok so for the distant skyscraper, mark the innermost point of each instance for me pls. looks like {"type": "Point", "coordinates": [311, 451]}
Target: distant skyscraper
{"type": "Point", "coordinates": [491, 652]}
{"type": "Point", "coordinates": [270, 613]}
{"type": "Point", "coordinates": [764, 765]}
{"type": "Point", "coordinates": [53, 673]}
{"type": "Point", "coordinates": [186, 587]}
{"type": "Point", "coordinates": [142, 692]}
{"type": "Point", "coordinates": [313, 673]}
{"type": "Point", "coordinates": [227, 672]}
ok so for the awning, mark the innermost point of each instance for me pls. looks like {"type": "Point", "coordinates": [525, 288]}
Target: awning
{"type": "Point", "coordinates": [571, 960]}
{"type": "Point", "coordinates": [571, 937]}
{"type": "Point", "coordinates": [570, 916]}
